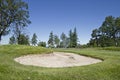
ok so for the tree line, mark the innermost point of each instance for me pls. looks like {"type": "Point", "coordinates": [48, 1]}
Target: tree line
{"type": "Point", "coordinates": [108, 34]}
{"type": "Point", "coordinates": [25, 40]}
{"type": "Point", "coordinates": [70, 41]}
{"type": "Point", "coordinates": [54, 41]}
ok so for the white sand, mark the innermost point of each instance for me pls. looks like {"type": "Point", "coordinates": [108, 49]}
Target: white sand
{"type": "Point", "coordinates": [56, 59]}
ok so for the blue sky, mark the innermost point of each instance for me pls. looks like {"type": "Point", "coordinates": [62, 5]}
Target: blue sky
{"type": "Point", "coordinates": [62, 15]}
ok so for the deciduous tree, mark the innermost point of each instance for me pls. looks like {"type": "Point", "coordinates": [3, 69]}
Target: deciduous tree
{"type": "Point", "coordinates": [12, 40]}
{"type": "Point", "coordinates": [13, 13]}
{"type": "Point", "coordinates": [108, 34]}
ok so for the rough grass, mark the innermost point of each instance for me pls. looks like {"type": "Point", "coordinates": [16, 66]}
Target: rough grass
{"type": "Point", "coordinates": [109, 69]}
{"type": "Point", "coordinates": [112, 48]}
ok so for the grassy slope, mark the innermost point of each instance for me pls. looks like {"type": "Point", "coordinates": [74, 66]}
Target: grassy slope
{"type": "Point", "coordinates": [109, 69]}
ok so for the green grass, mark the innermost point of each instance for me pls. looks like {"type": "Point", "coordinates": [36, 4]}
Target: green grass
{"type": "Point", "coordinates": [112, 48]}
{"type": "Point", "coordinates": [109, 69]}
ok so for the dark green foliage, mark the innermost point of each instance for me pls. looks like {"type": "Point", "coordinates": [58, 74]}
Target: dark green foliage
{"type": "Point", "coordinates": [34, 39]}
{"type": "Point", "coordinates": [12, 40]}
{"type": "Point", "coordinates": [56, 41]}
{"type": "Point", "coordinates": [73, 38]}
{"type": "Point", "coordinates": [83, 46]}
{"type": "Point", "coordinates": [95, 35]}
{"type": "Point", "coordinates": [18, 31]}
{"type": "Point", "coordinates": [13, 13]}
{"type": "Point", "coordinates": [64, 41]}
{"type": "Point", "coordinates": [42, 44]}
{"type": "Point", "coordinates": [23, 39]}
{"type": "Point", "coordinates": [108, 34]}
{"type": "Point", "coordinates": [51, 40]}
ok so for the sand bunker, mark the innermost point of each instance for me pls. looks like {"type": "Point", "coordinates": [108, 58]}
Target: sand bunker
{"type": "Point", "coordinates": [56, 59]}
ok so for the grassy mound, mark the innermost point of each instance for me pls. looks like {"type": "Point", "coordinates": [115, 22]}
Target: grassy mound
{"type": "Point", "coordinates": [10, 70]}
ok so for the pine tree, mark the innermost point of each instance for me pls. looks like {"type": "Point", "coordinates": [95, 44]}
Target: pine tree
{"type": "Point", "coordinates": [64, 39]}
{"type": "Point", "coordinates": [75, 38]}
{"type": "Point", "coordinates": [34, 39]}
{"type": "Point", "coordinates": [70, 38]}
{"type": "Point", "coordinates": [56, 41]}
{"type": "Point", "coordinates": [51, 40]}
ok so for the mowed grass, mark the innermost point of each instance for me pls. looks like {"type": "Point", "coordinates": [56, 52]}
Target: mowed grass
{"type": "Point", "coordinates": [109, 69]}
